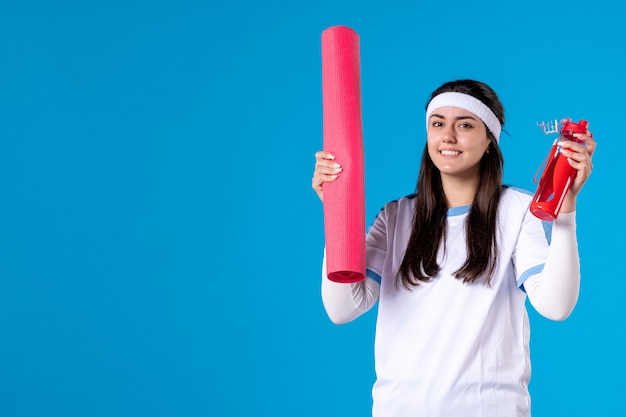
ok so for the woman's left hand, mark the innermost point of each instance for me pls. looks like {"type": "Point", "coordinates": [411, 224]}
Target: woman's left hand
{"type": "Point", "coordinates": [579, 157]}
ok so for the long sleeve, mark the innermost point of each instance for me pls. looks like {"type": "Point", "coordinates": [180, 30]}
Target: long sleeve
{"type": "Point", "coordinates": [554, 291]}
{"type": "Point", "coordinates": [346, 302]}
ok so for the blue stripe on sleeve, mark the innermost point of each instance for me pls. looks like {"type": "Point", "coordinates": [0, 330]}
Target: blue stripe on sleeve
{"type": "Point", "coordinates": [373, 275]}
{"type": "Point", "coordinates": [547, 229]}
{"type": "Point", "coordinates": [531, 271]}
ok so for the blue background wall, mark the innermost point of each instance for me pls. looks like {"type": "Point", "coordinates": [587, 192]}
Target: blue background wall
{"type": "Point", "coordinates": [160, 245]}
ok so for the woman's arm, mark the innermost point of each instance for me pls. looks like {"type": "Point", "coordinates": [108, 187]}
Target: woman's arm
{"type": "Point", "coordinates": [343, 302]}
{"type": "Point", "coordinates": [554, 291]}
{"type": "Point", "coordinates": [346, 302]}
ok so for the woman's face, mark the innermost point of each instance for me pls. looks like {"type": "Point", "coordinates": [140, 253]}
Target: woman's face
{"type": "Point", "coordinates": [457, 141]}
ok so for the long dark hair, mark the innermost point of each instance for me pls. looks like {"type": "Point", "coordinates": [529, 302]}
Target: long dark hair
{"type": "Point", "coordinates": [429, 220]}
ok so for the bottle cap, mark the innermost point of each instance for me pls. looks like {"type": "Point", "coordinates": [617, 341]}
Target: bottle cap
{"type": "Point", "coordinates": [580, 127]}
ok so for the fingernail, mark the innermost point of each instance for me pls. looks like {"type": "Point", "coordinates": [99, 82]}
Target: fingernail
{"type": "Point", "coordinates": [330, 156]}
{"type": "Point", "coordinates": [336, 165]}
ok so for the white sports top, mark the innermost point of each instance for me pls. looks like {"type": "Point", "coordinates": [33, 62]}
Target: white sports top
{"type": "Point", "coordinates": [445, 348]}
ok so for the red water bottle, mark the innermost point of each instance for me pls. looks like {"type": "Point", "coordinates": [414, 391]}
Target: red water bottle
{"type": "Point", "coordinates": [558, 174]}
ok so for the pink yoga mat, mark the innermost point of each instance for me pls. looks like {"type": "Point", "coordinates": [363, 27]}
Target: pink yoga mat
{"type": "Point", "coordinates": [344, 198]}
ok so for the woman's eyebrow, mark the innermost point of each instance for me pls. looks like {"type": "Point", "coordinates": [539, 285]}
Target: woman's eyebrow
{"type": "Point", "coordinates": [465, 117]}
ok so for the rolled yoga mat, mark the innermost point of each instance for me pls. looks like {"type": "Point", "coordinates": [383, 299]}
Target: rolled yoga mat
{"type": "Point", "coordinates": [344, 198]}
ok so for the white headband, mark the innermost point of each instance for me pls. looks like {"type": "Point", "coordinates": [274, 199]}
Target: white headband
{"type": "Point", "coordinates": [469, 103]}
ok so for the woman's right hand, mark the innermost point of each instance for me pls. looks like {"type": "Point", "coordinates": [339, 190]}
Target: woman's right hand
{"type": "Point", "coordinates": [326, 170]}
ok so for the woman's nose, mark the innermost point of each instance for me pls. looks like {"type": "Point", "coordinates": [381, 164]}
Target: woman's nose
{"type": "Point", "coordinates": [448, 135]}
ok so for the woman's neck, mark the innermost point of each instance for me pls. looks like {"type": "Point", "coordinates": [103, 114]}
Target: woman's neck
{"type": "Point", "coordinates": [459, 191]}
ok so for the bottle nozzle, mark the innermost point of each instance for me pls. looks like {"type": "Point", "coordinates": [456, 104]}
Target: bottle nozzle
{"type": "Point", "coordinates": [552, 126]}
{"type": "Point", "coordinates": [549, 127]}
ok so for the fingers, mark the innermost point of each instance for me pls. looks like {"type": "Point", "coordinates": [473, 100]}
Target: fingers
{"type": "Point", "coordinates": [579, 151]}
{"type": "Point", "coordinates": [325, 165]}
{"type": "Point", "coordinates": [583, 166]}
{"type": "Point", "coordinates": [588, 142]}
{"type": "Point", "coordinates": [579, 157]}
{"type": "Point", "coordinates": [326, 170]}
{"type": "Point", "coordinates": [324, 155]}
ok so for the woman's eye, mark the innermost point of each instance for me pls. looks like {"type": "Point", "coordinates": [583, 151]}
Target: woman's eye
{"type": "Point", "coordinates": [465, 126]}
{"type": "Point", "coordinates": [437, 124]}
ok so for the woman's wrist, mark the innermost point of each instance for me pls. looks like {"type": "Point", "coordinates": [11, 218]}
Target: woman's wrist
{"type": "Point", "coordinates": [569, 203]}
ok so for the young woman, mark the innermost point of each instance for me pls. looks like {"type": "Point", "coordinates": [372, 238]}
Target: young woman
{"type": "Point", "coordinates": [452, 264]}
